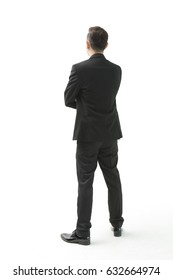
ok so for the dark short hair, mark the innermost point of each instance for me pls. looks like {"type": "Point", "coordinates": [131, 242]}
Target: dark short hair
{"type": "Point", "coordinates": [98, 38]}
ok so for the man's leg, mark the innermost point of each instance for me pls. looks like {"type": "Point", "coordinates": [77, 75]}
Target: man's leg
{"type": "Point", "coordinates": [86, 163]}
{"type": "Point", "coordinates": [108, 159]}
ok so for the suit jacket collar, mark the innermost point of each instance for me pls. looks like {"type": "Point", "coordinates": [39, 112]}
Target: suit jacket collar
{"type": "Point", "coordinates": [97, 55]}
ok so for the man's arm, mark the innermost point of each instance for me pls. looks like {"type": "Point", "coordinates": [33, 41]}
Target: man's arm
{"type": "Point", "coordinates": [72, 90]}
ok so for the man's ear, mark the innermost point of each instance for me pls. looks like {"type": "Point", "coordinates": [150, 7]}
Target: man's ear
{"type": "Point", "coordinates": [88, 44]}
{"type": "Point", "coordinates": [106, 45]}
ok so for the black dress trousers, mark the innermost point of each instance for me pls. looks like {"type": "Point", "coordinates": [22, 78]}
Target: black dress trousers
{"type": "Point", "coordinates": [87, 156]}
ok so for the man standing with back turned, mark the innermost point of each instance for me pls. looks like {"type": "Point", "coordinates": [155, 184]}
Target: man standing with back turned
{"type": "Point", "coordinates": [91, 90]}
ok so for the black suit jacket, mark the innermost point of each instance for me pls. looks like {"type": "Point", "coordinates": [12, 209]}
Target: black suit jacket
{"type": "Point", "coordinates": [92, 89]}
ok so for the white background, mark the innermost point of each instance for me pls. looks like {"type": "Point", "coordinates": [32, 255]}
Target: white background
{"type": "Point", "coordinates": [40, 40]}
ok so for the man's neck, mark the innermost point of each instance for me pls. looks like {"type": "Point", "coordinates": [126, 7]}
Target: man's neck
{"type": "Point", "coordinates": [92, 52]}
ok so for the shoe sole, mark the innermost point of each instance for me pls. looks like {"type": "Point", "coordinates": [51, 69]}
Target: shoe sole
{"type": "Point", "coordinates": [79, 241]}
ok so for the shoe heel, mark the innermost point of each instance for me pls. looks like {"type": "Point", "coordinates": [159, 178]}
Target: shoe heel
{"type": "Point", "coordinates": [84, 242]}
{"type": "Point", "coordinates": [117, 233]}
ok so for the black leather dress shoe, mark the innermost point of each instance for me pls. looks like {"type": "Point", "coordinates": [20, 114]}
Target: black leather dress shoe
{"type": "Point", "coordinates": [74, 238]}
{"type": "Point", "coordinates": [117, 232]}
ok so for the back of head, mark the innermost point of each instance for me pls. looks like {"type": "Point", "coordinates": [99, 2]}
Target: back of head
{"type": "Point", "coordinates": [98, 38]}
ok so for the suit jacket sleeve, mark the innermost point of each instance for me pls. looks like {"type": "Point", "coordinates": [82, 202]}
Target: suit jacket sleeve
{"type": "Point", "coordinates": [72, 89]}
